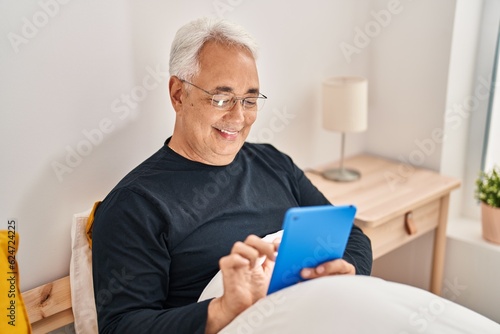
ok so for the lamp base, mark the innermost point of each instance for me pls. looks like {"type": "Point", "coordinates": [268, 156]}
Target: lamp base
{"type": "Point", "coordinates": [341, 174]}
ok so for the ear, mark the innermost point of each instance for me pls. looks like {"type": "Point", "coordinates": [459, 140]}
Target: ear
{"type": "Point", "coordinates": [176, 89]}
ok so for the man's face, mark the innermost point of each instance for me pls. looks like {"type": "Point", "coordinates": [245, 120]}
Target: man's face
{"type": "Point", "coordinates": [202, 132]}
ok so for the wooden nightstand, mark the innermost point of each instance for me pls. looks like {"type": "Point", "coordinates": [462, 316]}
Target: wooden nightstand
{"type": "Point", "coordinates": [396, 204]}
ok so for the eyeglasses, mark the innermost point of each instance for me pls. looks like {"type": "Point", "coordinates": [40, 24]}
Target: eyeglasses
{"type": "Point", "coordinates": [226, 102]}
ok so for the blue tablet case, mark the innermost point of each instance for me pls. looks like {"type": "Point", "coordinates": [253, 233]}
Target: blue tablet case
{"type": "Point", "coordinates": [311, 235]}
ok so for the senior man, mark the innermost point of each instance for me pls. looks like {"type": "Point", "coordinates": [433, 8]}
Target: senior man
{"type": "Point", "coordinates": [203, 201]}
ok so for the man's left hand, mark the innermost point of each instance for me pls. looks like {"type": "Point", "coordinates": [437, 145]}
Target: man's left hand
{"type": "Point", "coordinates": [335, 267]}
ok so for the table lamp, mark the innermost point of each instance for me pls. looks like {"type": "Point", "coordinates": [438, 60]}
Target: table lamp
{"type": "Point", "coordinates": [345, 109]}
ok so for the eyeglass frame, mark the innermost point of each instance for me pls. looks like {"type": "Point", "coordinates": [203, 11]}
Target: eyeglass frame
{"type": "Point", "coordinates": [234, 98]}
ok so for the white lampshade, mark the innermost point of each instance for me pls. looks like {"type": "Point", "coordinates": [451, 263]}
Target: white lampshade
{"type": "Point", "coordinates": [345, 104]}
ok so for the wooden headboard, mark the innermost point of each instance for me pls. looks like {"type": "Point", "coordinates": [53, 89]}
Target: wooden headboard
{"type": "Point", "coordinates": [49, 306]}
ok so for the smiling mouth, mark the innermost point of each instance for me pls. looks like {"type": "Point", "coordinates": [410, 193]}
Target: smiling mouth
{"type": "Point", "coordinates": [227, 134]}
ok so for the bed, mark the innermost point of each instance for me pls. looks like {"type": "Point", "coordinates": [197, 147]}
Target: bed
{"type": "Point", "coordinates": [343, 304]}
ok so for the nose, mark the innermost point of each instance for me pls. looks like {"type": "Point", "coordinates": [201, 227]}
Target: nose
{"type": "Point", "coordinates": [236, 113]}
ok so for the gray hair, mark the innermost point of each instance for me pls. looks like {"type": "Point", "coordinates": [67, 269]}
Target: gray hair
{"type": "Point", "coordinates": [190, 38]}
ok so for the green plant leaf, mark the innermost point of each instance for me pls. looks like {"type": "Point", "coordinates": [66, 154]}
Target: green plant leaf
{"type": "Point", "coordinates": [488, 187]}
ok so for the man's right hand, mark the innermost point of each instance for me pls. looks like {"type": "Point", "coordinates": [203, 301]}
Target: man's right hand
{"type": "Point", "coordinates": [245, 280]}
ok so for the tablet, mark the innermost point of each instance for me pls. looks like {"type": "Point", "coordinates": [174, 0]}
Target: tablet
{"type": "Point", "coordinates": [311, 235]}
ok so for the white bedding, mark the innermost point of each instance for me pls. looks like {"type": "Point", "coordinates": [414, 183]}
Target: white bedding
{"type": "Point", "coordinates": [357, 304]}
{"type": "Point", "coordinates": [337, 304]}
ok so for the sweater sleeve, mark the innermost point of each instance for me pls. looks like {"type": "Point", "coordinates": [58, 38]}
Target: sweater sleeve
{"type": "Point", "coordinates": [131, 264]}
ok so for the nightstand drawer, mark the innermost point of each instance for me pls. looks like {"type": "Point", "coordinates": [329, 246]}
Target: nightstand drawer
{"type": "Point", "coordinates": [400, 230]}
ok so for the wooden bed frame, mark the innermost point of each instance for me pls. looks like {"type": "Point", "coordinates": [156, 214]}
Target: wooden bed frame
{"type": "Point", "coordinates": [49, 306]}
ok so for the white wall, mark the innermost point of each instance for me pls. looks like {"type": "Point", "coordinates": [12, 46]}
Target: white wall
{"type": "Point", "coordinates": [66, 66]}
{"type": "Point", "coordinates": [463, 81]}
{"type": "Point", "coordinates": [471, 273]}
{"type": "Point", "coordinates": [408, 75]}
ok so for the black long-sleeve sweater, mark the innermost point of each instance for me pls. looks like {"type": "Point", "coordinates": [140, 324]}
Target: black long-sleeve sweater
{"type": "Point", "coordinates": [159, 234]}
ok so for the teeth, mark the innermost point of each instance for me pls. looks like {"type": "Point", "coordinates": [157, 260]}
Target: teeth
{"type": "Point", "coordinates": [229, 132]}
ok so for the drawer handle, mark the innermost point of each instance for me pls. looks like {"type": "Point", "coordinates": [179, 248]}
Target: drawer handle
{"type": "Point", "coordinates": [410, 227]}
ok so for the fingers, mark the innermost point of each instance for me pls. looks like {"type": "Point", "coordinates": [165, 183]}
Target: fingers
{"type": "Point", "coordinates": [259, 248]}
{"type": "Point", "coordinates": [277, 242]}
{"type": "Point", "coordinates": [335, 267]}
{"type": "Point", "coordinates": [249, 251]}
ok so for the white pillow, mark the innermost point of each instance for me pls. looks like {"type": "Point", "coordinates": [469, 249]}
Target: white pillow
{"type": "Point", "coordinates": [357, 304]}
{"type": "Point", "coordinates": [82, 288]}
